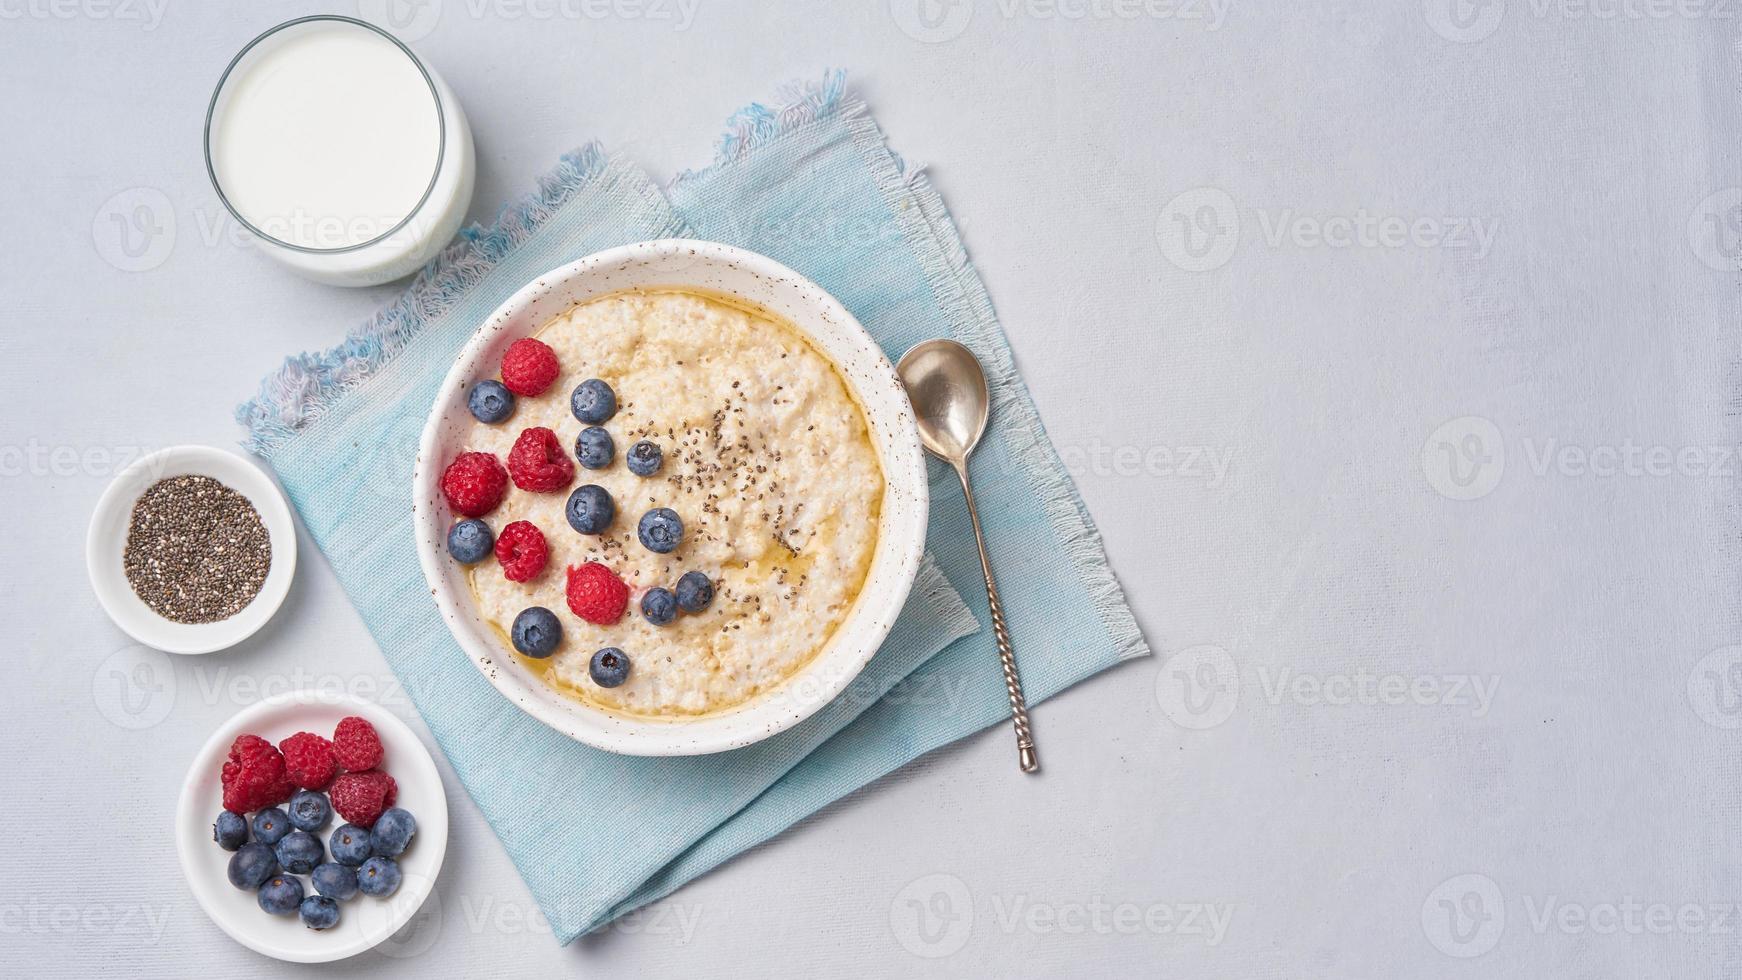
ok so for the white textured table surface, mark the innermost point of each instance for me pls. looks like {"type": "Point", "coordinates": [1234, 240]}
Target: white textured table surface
{"type": "Point", "coordinates": [1252, 257]}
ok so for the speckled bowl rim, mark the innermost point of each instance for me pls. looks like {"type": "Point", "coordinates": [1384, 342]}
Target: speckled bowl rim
{"type": "Point", "coordinates": [760, 281]}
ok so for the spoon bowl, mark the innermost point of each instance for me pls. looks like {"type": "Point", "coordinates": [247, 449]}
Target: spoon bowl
{"type": "Point", "coordinates": [949, 395]}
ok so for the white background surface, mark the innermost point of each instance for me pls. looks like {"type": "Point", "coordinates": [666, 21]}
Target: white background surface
{"type": "Point", "coordinates": [1314, 763]}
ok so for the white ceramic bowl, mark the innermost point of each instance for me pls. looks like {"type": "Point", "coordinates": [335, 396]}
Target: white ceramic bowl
{"type": "Point", "coordinates": [106, 542]}
{"type": "Point", "coordinates": [901, 533]}
{"type": "Point", "coordinates": [363, 921]}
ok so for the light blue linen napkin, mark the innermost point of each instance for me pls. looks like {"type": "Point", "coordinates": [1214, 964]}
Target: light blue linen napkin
{"type": "Point", "coordinates": [810, 183]}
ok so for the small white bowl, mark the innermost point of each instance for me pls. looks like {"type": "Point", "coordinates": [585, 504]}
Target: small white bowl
{"type": "Point", "coordinates": [363, 921]}
{"type": "Point", "coordinates": [106, 543]}
{"type": "Point", "coordinates": [764, 283]}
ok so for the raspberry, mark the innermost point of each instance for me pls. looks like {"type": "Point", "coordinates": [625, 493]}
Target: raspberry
{"type": "Point", "coordinates": [356, 744]}
{"type": "Point", "coordinates": [309, 761]}
{"type": "Point", "coordinates": [522, 551]}
{"type": "Point", "coordinates": [253, 777]}
{"type": "Point", "coordinates": [596, 594]}
{"type": "Point", "coordinates": [539, 463]}
{"type": "Point", "coordinates": [474, 484]}
{"type": "Point", "coordinates": [528, 366]}
{"type": "Point", "coordinates": [360, 797]}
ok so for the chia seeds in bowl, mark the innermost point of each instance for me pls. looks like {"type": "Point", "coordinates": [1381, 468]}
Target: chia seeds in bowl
{"type": "Point", "coordinates": [197, 551]}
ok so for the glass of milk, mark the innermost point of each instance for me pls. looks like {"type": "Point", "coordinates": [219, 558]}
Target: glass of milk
{"type": "Point", "coordinates": [346, 157]}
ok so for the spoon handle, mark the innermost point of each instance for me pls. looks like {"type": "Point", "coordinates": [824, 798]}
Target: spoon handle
{"type": "Point", "coordinates": [1025, 754]}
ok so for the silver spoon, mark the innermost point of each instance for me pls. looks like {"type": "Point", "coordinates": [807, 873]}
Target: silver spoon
{"type": "Point", "coordinates": [949, 396]}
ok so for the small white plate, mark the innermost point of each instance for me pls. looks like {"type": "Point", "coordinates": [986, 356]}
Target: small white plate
{"type": "Point", "coordinates": [106, 542]}
{"type": "Point", "coordinates": [363, 921]}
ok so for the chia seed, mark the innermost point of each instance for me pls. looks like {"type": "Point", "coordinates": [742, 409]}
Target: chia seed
{"type": "Point", "coordinates": [196, 551]}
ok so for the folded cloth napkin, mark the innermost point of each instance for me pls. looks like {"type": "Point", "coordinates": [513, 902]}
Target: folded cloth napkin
{"type": "Point", "coordinates": [810, 183]}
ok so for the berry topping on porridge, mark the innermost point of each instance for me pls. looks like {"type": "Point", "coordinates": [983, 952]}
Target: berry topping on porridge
{"type": "Point", "coordinates": [593, 401]}
{"type": "Point", "coordinates": [474, 484]}
{"type": "Point", "coordinates": [490, 402]}
{"type": "Point", "coordinates": [538, 462]}
{"type": "Point", "coordinates": [529, 366]}
{"type": "Point", "coordinates": [590, 509]}
{"type": "Point", "coordinates": [609, 667]}
{"type": "Point", "coordinates": [660, 530]}
{"type": "Point", "coordinates": [644, 458]}
{"type": "Point", "coordinates": [522, 551]}
{"type": "Point", "coordinates": [595, 448]}
{"type": "Point", "coordinates": [596, 594]}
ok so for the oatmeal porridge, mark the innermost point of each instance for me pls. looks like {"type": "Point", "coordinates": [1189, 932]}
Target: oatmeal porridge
{"type": "Point", "coordinates": [668, 502]}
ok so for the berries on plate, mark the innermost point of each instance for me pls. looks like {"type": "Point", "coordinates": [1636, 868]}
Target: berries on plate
{"type": "Point", "coordinates": [379, 876]}
{"type": "Point", "coordinates": [281, 895]}
{"type": "Point", "coordinates": [659, 606]}
{"type": "Point", "coordinates": [660, 530]}
{"type": "Point", "coordinates": [522, 551]}
{"type": "Point", "coordinates": [230, 830]}
{"type": "Point", "coordinates": [335, 880]}
{"type": "Point", "coordinates": [251, 865]}
{"type": "Point", "coordinates": [360, 797]}
{"type": "Point", "coordinates": [595, 448]}
{"type": "Point", "coordinates": [309, 761]}
{"type": "Point", "coordinates": [356, 744]}
{"type": "Point", "coordinates": [596, 594]}
{"type": "Point", "coordinates": [318, 912]}
{"type": "Point", "coordinates": [350, 845]}
{"type": "Point", "coordinates": [609, 667]}
{"type": "Point", "coordinates": [270, 825]}
{"type": "Point", "coordinates": [529, 366]}
{"type": "Point", "coordinates": [593, 401]}
{"type": "Point", "coordinates": [470, 541]}
{"type": "Point", "coordinates": [309, 810]}
{"type": "Point", "coordinates": [590, 509]}
{"type": "Point", "coordinates": [299, 852]}
{"type": "Point", "coordinates": [694, 591]}
{"type": "Point", "coordinates": [491, 402]}
{"type": "Point", "coordinates": [536, 632]}
{"type": "Point", "coordinates": [644, 458]}
{"type": "Point", "coordinates": [474, 484]}
{"type": "Point", "coordinates": [253, 777]}
{"type": "Point", "coordinates": [538, 462]}
{"type": "Point", "coordinates": [392, 832]}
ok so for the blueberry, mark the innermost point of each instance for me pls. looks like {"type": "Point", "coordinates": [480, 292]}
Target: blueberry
{"type": "Point", "coordinates": [660, 530]}
{"type": "Point", "coordinates": [299, 852]}
{"type": "Point", "coordinates": [309, 810]}
{"type": "Point", "coordinates": [379, 876]}
{"type": "Point", "coordinates": [594, 448]}
{"type": "Point", "coordinates": [230, 830]}
{"type": "Point", "coordinates": [252, 864]}
{"type": "Point", "coordinates": [536, 633]}
{"type": "Point", "coordinates": [470, 541]}
{"type": "Point", "coordinates": [335, 881]}
{"type": "Point", "coordinates": [644, 458]}
{"type": "Point", "coordinates": [270, 826]}
{"type": "Point", "coordinates": [491, 402]}
{"type": "Point", "coordinates": [350, 844]}
{"type": "Point", "coordinates": [610, 667]}
{"type": "Point", "coordinates": [593, 401]}
{"type": "Point", "coordinates": [281, 895]}
{"type": "Point", "coordinates": [319, 912]}
{"type": "Point", "coordinates": [392, 832]}
{"type": "Point", "coordinates": [590, 509]}
{"type": "Point", "coordinates": [694, 591]}
{"type": "Point", "coordinates": [659, 606]}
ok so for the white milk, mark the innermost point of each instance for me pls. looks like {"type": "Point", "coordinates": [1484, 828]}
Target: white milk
{"type": "Point", "coordinates": [327, 135]}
